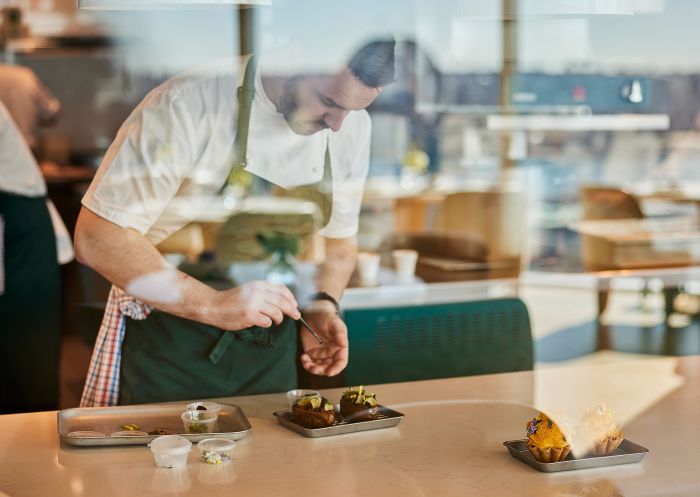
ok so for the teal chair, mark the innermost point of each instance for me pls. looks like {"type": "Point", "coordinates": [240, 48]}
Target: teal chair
{"type": "Point", "coordinates": [436, 341]}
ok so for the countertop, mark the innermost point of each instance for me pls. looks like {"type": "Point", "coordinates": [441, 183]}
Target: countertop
{"type": "Point", "coordinates": [450, 443]}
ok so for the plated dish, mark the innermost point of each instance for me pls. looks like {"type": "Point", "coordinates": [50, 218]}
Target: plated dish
{"type": "Point", "coordinates": [357, 410]}
{"type": "Point", "coordinates": [597, 439]}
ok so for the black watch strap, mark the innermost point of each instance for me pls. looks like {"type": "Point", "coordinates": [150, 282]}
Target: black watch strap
{"type": "Point", "coordinates": [326, 297]}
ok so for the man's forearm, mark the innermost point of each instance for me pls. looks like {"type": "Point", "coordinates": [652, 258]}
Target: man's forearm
{"type": "Point", "coordinates": [125, 257]}
{"type": "Point", "coordinates": [335, 272]}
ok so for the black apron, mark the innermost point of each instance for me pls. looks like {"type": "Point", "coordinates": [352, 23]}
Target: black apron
{"type": "Point", "coordinates": [30, 307]}
{"type": "Point", "coordinates": [165, 357]}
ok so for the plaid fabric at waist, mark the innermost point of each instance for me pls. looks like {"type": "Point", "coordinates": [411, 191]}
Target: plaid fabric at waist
{"type": "Point", "coordinates": [102, 382]}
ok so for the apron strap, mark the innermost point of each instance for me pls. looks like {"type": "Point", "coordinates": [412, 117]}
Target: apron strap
{"type": "Point", "coordinates": [321, 194]}
{"type": "Point", "coordinates": [245, 95]}
{"type": "Point", "coordinates": [221, 346]}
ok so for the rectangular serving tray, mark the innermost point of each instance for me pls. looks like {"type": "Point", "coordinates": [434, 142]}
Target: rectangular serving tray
{"type": "Point", "coordinates": [387, 418]}
{"type": "Point", "coordinates": [628, 452]}
{"type": "Point", "coordinates": [231, 423]}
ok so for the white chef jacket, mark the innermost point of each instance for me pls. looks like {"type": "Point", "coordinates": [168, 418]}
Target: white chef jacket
{"type": "Point", "coordinates": [19, 172]}
{"type": "Point", "coordinates": [177, 147]}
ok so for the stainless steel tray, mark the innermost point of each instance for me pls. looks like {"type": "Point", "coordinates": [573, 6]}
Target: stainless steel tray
{"type": "Point", "coordinates": [231, 423]}
{"type": "Point", "coordinates": [387, 418]}
{"type": "Point", "coordinates": [627, 452]}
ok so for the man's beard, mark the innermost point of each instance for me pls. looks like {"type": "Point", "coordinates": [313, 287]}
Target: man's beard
{"type": "Point", "coordinates": [289, 105]}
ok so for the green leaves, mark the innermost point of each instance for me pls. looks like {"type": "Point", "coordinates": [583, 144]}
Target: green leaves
{"type": "Point", "coordinates": [276, 242]}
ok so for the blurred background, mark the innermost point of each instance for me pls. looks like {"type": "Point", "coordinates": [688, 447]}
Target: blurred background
{"type": "Point", "coordinates": [541, 149]}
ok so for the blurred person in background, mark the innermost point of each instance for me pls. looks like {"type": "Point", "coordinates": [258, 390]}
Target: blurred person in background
{"type": "Point", "coordinates": [183, 141]}
{"type": "Point", "coordinates": [28, 101]}
{"type": "Point", "coordinates": [30, 288]}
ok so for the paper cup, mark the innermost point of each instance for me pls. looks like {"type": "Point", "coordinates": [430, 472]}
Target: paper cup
{"type": "Point", "coordinates": [405, 263]}
{"type": "Point", "coordinates": [368, 268]}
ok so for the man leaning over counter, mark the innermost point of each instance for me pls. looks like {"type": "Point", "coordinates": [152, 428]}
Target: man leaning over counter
{"type": "Point", "coordinates": [183, 141]}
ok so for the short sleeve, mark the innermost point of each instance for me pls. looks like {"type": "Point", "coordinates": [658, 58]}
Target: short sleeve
{"type": "Point", "coordinates": [146, 164]}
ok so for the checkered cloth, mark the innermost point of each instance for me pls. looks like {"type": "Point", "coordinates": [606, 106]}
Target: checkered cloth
{"type": "Point", "coordinates": [102, 383]}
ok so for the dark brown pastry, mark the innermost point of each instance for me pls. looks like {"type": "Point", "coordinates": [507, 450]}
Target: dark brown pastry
{"type": "Point", "coordinates": [314, 412]}
{"type": "Point", "coordinates": [357, 404]}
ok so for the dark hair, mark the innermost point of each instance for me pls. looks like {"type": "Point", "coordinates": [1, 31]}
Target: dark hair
{"type": "Point", "coordinates": [373, 64]}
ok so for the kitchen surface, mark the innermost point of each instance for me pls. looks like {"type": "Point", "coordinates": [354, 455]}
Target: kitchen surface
{"type": "Point", "coordinates": [449, 441]}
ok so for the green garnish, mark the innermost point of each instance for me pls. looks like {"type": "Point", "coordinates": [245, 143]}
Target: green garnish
{"type": "Point", "coordinates": [197, 428]}
{"type": "Point", "coordinates": [315, 402]}
{"type": "Point", "coordinates": [359, 395]}
{"type": "Point", "coordinates": [131, 427]}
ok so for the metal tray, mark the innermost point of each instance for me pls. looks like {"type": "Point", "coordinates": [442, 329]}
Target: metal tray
{"type": "Point", "coordinates": [627, 452]}
{"type": "Point", "coordinates": [231, 423]}
{"type": "Point", "coordinates": [387, 418]}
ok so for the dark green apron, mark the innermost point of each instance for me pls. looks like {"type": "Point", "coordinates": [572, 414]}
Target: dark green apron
{"type": "Point", "coordinates": [30, 307]}
{"type": "Point", "coordinates": [165, 357]}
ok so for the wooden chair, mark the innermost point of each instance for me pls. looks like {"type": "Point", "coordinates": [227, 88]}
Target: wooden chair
{"type": "Point", "coordinates": [493, 217]}
{"type": "Point", "coordinates": [417, 214]}
{"type": "Point", "coordinates": [604, 202]}
{"type": "Point", "coordinates": [613, 238]}
{"type": "Point", "coordinates": [463, 236]}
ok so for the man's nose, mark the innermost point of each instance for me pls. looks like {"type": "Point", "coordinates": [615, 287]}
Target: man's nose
{"type": "Point", "coordinates": [334, 120]}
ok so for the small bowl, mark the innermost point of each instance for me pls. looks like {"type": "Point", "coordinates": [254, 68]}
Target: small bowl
{"type": "Point", "coordinates": [294, 395]}
{"type": "Point", "coordinates": [199, 421]}
{"type": "Point", "coordinates": [204, 407]}
{"type": "Point", "coordinates": [170, 451]}
{"type": "Point", "coordinates": [216, 450]}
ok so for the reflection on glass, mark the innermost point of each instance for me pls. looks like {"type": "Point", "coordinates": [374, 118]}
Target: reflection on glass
{"type": "Point", "coordinates": [592, 403]}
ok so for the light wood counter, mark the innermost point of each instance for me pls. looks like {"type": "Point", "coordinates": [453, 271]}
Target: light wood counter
{"type": "Point", "coordinates": [448, 444]}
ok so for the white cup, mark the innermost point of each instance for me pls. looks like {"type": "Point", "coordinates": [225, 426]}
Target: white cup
{"type": "Point", "coordinates": [368, 268]}
{"type": "Point", "coordinates": [405, 263]}
{"type": "Point", "coordinates": [170, 451]}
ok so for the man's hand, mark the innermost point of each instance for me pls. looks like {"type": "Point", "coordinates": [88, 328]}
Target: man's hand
{"type": "Point", "coordinates": [330, 357]}
{"type": "Point", "coordinates": [258, 303]}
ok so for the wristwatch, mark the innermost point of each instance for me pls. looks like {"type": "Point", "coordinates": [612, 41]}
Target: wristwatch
{"type": "Point", "coordinates": [326, 297]}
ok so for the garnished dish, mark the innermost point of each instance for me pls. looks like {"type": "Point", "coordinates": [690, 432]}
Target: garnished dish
{"type": "Point", "coordinates": [199, 421]}
{"type": "Point", "coordinates": [216, 450]}
{"type": "Point", "coordinates": [314, 412]}
{"type": "Point", "coordinates": [545, 440]}
{"type": "Point", "coordinates": [598, 432]}
{"type": "Point", "coordinates": [357, 404]}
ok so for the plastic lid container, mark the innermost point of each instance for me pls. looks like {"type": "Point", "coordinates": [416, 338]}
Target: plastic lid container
{"type": "Point", "coordinates": [216, 450]}
{"type": "Point", "coordinates": [170, 451]}
{"type": "Point", "coordinates": [294, 395]}
{"type": "Point", "coordinates": [199, 421]}
{"type": "Point", "coordinates": [204, 406]}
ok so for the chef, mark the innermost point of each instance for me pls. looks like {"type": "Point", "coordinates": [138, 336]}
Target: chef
{"type": "Point", "coordinates": [30, 289]}
{"type": "Point", "coordinates": [167, 336]}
